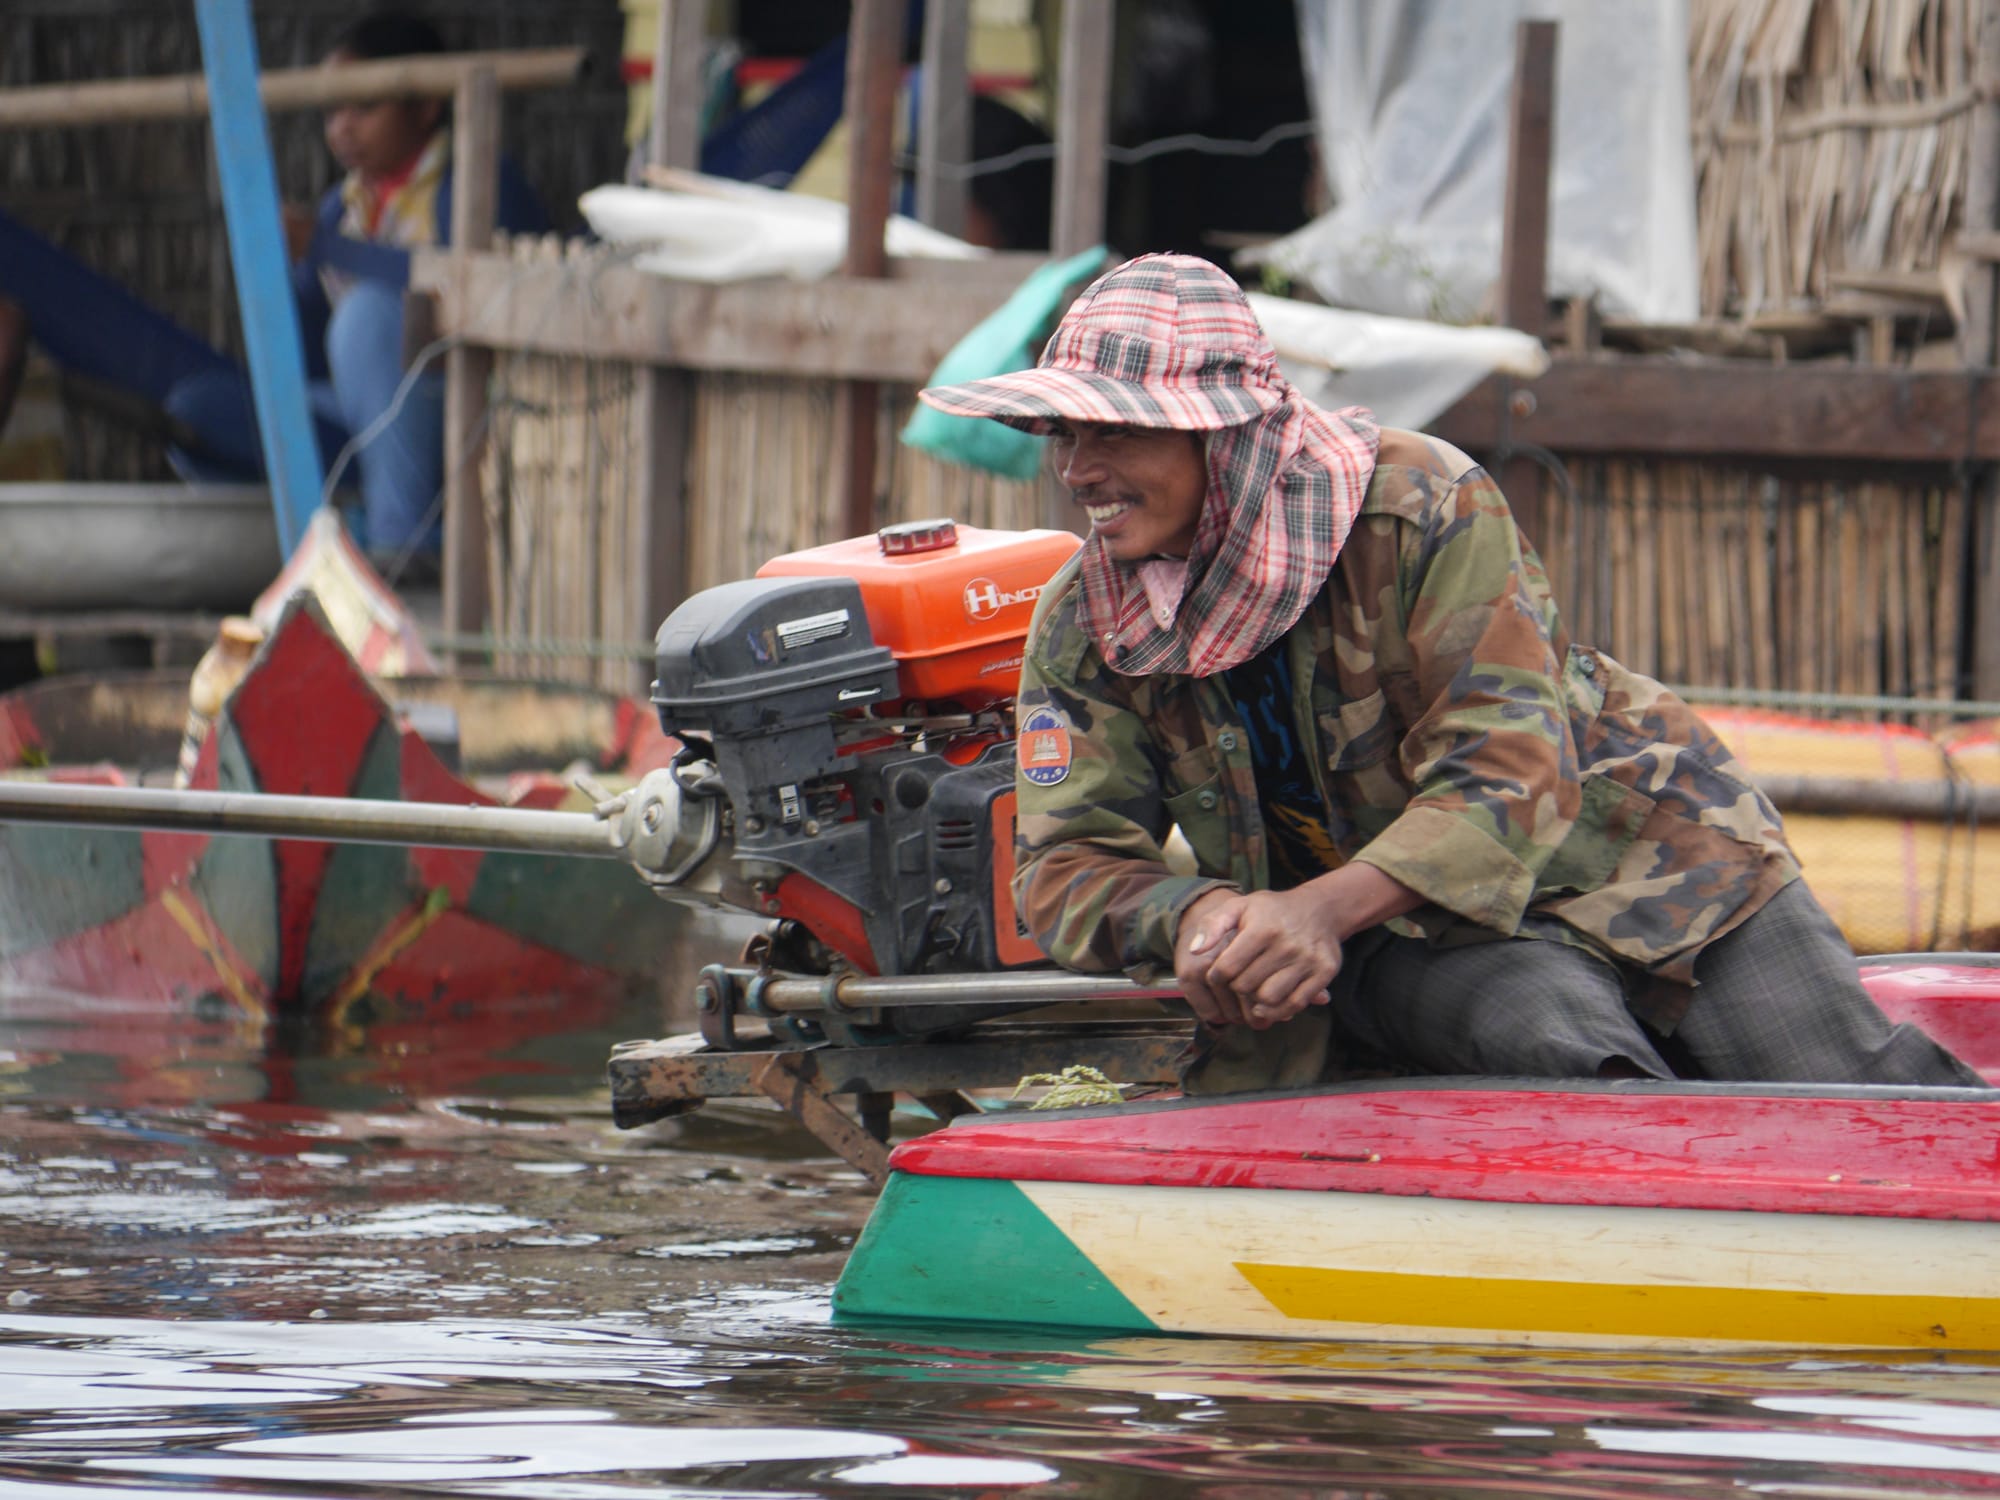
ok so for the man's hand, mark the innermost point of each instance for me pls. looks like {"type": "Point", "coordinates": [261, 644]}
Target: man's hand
{"type": "Point", "coordinates": [1280, 957]}
{"type": "Point", "coordinates": [1205, 930]}
{"type": "Point", "coordinates": [1260, 959]}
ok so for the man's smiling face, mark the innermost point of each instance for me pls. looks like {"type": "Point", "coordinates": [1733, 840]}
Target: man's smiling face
{"type": "Point", "coordinates": [1142, 487]}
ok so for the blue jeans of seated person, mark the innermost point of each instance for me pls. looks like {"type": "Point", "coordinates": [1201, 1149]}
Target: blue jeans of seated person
{"type": "Point", "coordinates": [401, 468]}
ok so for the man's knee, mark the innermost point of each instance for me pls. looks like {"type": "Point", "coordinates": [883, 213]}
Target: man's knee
{"type": "Point", "coordinates": [1780, 1000]}
{"type": "Point", "coordinates": [1519, 1007]}
{"type": "Point", "coordinates": [366, 326]}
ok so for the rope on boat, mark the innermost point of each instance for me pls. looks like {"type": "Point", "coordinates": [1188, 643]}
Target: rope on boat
{"type": "Point", "coordinates": [1074, 1087]}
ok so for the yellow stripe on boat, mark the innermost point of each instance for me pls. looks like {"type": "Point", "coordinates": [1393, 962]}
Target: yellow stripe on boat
{"type": "Point", "coordinates": [1269, 1262]}
{"type": "Point", "coordinates": [1739, 1314]}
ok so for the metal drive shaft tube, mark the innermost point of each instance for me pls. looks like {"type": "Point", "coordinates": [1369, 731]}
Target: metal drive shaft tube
{"type": "Point", "coordinates": [804, 995]}
{"type": "Point", "coordinates": [347, 820]}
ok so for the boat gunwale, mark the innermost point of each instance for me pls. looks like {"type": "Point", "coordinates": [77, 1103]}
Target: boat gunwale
{"type": "Point", "coordinates": [1748, 1161]}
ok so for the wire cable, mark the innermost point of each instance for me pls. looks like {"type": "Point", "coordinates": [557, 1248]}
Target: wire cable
{"type": "Point", "coordinates": [1205, 145]}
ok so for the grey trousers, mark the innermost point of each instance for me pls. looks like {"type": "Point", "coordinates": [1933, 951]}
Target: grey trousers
{"type": "Point", "coordinates": [1776, 1000]}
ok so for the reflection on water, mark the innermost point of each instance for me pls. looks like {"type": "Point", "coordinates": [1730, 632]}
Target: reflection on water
{"type": "Point", "coordinates": [732, 1395]}
{"type": "Point", "coordinates": [280, 1265]}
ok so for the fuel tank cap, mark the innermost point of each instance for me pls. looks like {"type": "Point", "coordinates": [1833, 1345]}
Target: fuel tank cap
{"type": "Point", "coordinates": [907, 537]}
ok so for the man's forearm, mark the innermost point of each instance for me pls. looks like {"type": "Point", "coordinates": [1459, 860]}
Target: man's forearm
{"type": "Point", "coordinates": [1359, 895]}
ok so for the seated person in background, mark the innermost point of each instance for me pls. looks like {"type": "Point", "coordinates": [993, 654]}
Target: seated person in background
{"type": "Point", "coordinates": [1431, 832]}
{"type": "Point", "coordinates": [349, 272]}
{"type": "Point", "coordinates": [1008, 206]}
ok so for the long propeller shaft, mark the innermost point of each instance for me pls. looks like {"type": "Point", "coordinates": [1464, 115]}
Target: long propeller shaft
{"type": "Point", "coordinates": [350, 820]}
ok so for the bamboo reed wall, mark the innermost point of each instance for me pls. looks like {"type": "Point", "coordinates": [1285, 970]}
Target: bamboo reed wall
{"type": "Point", "coordinates": [765, 466]}
{"type": "Point", "coordinates": [1722, 576]}
{"type": "Point", "coordinates": [562, 486]}
{"type": "Point", "coordinates": [1828, 135]}
{"type": "Point", "coordinates": [559, 477]}
{"type": "Point", "coordinates": [1709, 575]}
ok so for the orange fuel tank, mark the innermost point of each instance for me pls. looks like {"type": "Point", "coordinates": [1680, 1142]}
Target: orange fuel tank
{"type": "Point", "coordinates": [951, 602]}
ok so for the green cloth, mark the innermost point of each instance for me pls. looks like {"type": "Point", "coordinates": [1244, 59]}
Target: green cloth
{"type": "Point", "coordinates": [1007, 340]}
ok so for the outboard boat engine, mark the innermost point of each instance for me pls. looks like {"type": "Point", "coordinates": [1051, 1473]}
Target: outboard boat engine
{"type": "Point", "coordinates": [847, 725]}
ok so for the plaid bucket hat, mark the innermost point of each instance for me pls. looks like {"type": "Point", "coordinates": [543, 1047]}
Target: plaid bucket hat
{"type": "Point", "coordinates": [1161, 341]}
{"type": "Point", "coordinates": [1170, 341]}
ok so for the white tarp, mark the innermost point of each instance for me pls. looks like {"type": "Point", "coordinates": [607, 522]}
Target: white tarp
{"type": "Point", "coordinates": [1411, 104]}
{"type": "Point", "coordinates": [735, 231]}
{"type": "Point", "coordinates": [1405, 371]}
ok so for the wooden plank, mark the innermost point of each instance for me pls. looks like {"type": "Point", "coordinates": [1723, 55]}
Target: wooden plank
{"type": "Point", "coordinates": [1524, 233]}
{"type": "Point", "coordinates": [663, 413]}
{"type": "Point", "coordinates": [1083, 126]}
{"type": "Point", "coordinates": [1641, 481]}
{"type": "Point", "coordinates": [998, 270]}
{"type": "Point", "coordinates": [874, 52]}
{"type": "Point", "coordinates": [1979, 341]}
{"type": "Point", "coordinates": [1955, 533]}
{"type": "Point", "coordinates": [1851, 600]}
{"type": "Point", "coordinates": [1984, 667]}
{"type": "Point", "coordinates": [270, 313]}
{"type": "Point", "coordinates": [1670, 408]}
{"type": "Point", "coordinates": [1788, 611]}
{"type": "Point", "coordinates": [184, 96]}
{"type": "Point", "coordinates": [663, 399]}
{"type": "Point", "coordinates": [1625, 564]}
{"type": "Point", "coordinates": [840, 327]}
{"type": "Point", "coordinates": [673, 138]}
{"type": "Point", "coordinates": [874, 46]}
{"type": "Point", "coordinates": [1921, 594]}
{"type": "Point", "coordinates": [475, 177]}
{"type": "Point", "coordinates": [944, 116]}
{"type": "Point", "coordinates": [896, 331]}
{"type": "Point", "coordinates": [1723, 539]}
{"type": "Point", "coordinates": [1980, 214]}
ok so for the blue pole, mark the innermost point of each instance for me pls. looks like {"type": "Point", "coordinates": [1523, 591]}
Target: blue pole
{"type": "Point", "coordinates": [257, 255]}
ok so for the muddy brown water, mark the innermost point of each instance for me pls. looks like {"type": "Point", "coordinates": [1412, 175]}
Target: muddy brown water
{"type": "Point", "coordinates": [253, 1265]}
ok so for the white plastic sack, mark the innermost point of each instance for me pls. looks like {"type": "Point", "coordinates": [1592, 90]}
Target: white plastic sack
{"type": "Point", "coordinates": [1411, 102]}
{"type": "Point", "coordinates": [1406, 372]}
{"type": "Point", "coordinates": [740, 231]}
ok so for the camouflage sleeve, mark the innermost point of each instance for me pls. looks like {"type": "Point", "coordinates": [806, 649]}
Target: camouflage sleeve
{"type": "Point", "coordinates": [1091, 879]}
{"type": "Point", "coordinates": [1492, 758]}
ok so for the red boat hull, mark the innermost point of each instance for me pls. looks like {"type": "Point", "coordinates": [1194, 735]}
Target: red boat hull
{"type": "Point", "coordinates": [264, 926]}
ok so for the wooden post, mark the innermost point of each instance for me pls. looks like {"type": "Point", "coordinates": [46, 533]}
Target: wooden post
{"type": "Point", "coordinates": [675, 137]}
{"type": "Point", "coordinates": [1524, 242]}
{"type": "Point", "coordinates": [1979, 343]}
{"type": "Point", "coordinates": [874, 55]}
{"type": "Point", "coordinates": [185, 96]}
{"type": "Point", "coordinates": [1083, 126]}
{"type": "Point", "coordinates": [944, 117]}
{"type": "Point", "coordinates": [271, 333]}
{"type": "Point", "coordinates": [1976, 340]}
{"type": "Point", "coordinates": [663, 404]}
{"type": "Point", "coordinates": [467, 370]}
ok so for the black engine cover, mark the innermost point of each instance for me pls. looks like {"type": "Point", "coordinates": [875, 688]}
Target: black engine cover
{"type": "Point", "coordinates": [768, 657]}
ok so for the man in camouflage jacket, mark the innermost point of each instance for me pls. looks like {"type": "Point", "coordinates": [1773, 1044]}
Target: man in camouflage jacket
{"type": "Point", "coordinates": [1488, 849]}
